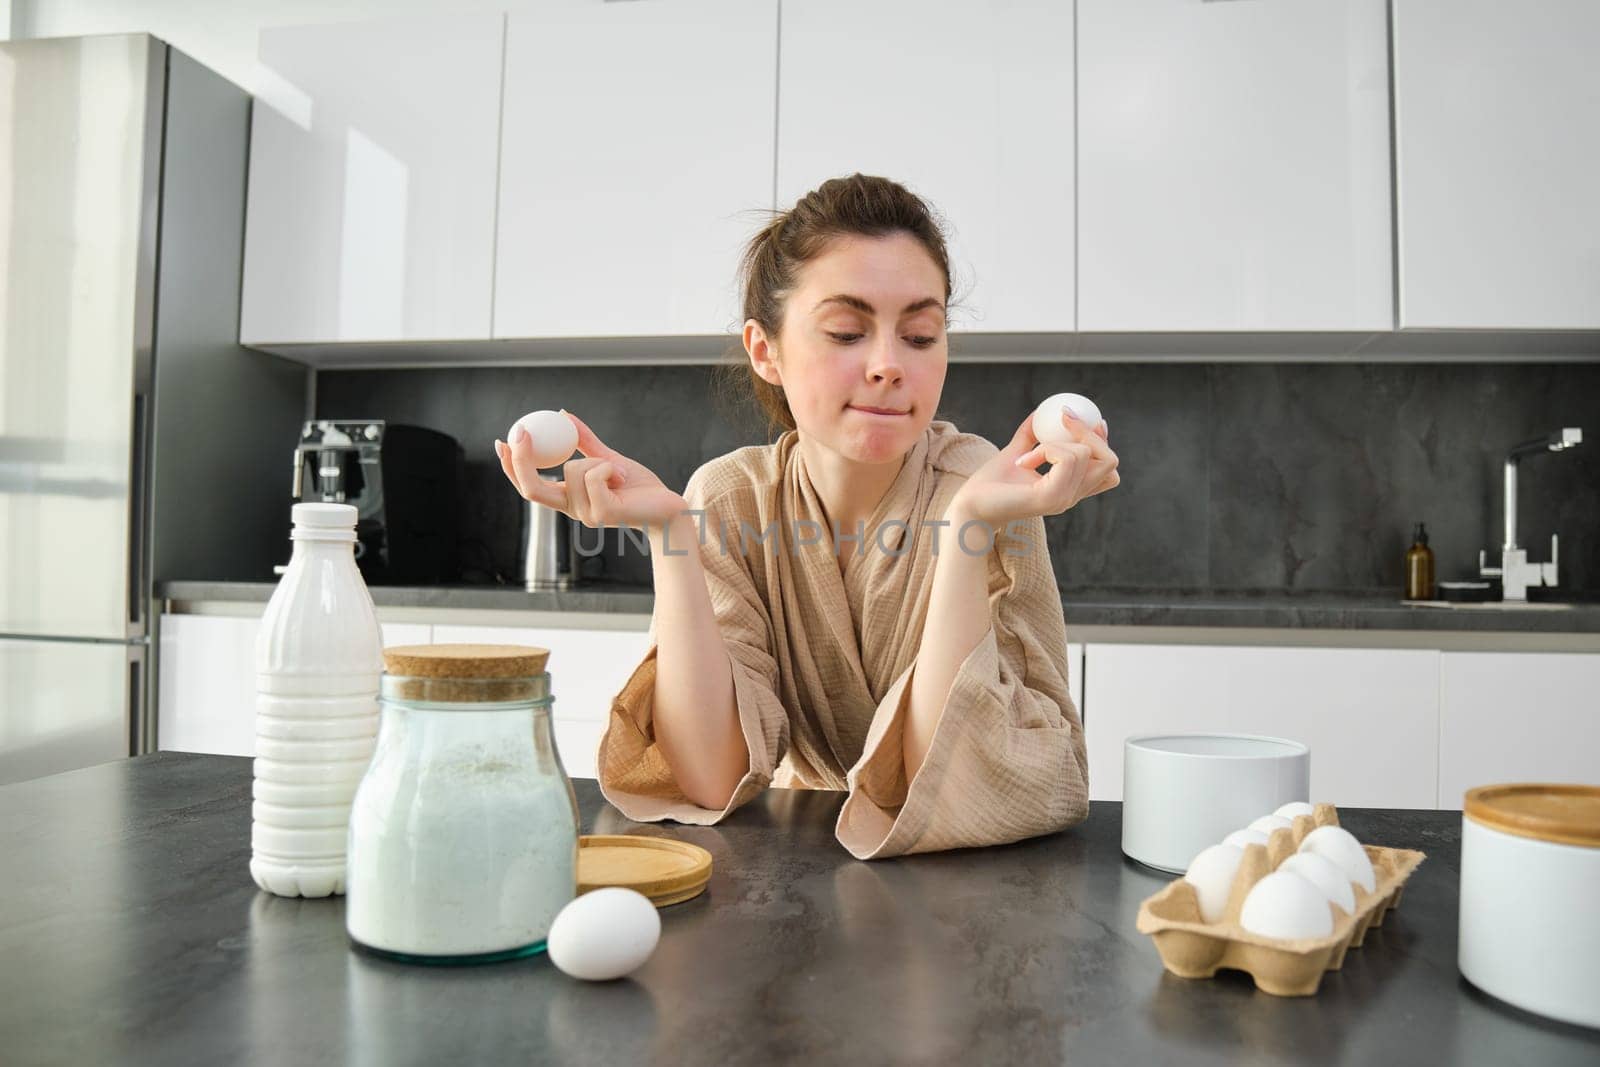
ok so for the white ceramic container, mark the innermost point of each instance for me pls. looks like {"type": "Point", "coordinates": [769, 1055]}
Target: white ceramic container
{"type": "Point", "coordinates": [1530, 898]}
{"type": "Point", "coordinates": [1182, 792]}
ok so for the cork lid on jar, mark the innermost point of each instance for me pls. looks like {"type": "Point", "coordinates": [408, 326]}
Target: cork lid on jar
{"type": "Point", "coordinates": [1561, 814]}
{"type": "Point", "coordinates": [466, 673]}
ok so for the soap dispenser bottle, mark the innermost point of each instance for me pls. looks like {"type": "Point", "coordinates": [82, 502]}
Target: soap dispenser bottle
{"type": "Point", "coordinates": [1419, 566]}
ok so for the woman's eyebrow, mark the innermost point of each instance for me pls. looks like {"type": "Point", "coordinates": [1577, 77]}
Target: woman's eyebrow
{"type": "Point", "coordinates": [861, 305]}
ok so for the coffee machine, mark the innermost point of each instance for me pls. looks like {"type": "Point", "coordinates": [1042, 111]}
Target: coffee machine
{"type": "Point", "coordinates": [404, 482]}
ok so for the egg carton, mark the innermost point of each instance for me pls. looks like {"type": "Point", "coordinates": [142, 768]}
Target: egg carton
{"type": "Point", "coordinates": [1192, 948]}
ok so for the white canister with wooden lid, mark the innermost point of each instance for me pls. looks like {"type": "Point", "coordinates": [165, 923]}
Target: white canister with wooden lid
{"type": "Point", "coordinates": [1530, 883]}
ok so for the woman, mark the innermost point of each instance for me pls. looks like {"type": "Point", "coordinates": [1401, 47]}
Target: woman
{"type": "Point", "coordinates": [830, 611]}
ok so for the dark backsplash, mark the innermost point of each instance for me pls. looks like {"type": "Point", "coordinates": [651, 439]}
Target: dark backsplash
{"type": "Point", "coordinates": [1242, 477]}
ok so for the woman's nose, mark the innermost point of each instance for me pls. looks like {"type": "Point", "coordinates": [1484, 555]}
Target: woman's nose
{"type": "Point", "coordinates": [883, 363]}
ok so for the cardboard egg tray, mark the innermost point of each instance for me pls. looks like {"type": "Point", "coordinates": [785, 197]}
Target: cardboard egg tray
{"type": "Point", "coordinates": [1193, 948]}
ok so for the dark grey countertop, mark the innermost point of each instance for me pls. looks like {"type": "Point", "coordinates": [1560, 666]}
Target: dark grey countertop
{"type": "Point", "coordinates": [1084, 607]}
{"type": "Point", "coordinates": [596, 597]}
{"type": "Point", "coordinates": [131, 933]}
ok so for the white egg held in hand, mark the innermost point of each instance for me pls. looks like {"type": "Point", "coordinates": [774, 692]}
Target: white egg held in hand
{"type": "Point", "coordinates": [604, 934]}
{"type": "Point", "coordinates": [1268, 823]}
{"type": "Point", "coordinates": [1285, 905]}
{"type": "Point", "coordinates": [1212, 873]}
{"type": "Point", "coordinates": [1326, 875]}
{"type": "Point", "coordinates": [551, 434]}
{"type": "Point", "coordinates": [1241, 838]}
{"type": "Point", "coordinates": [1294, 809]}
{"type": "Point", "coordinates": [1047, 417]}
{"type": "Point", "coordinates": [1340, 845]}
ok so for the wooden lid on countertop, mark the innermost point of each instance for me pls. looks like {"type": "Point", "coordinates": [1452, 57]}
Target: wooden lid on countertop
{"type": "Point", "coordinates": [666, 870]}
{"type": "Point", "coordinates": [1562, 814]}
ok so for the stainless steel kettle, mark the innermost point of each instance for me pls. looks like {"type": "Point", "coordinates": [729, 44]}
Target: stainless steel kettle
{"type": "Point", "coordinates": [549, 549]}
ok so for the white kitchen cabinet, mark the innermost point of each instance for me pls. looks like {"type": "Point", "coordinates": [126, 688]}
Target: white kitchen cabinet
{"type": "Point", "coordinates": [207, 688]}
{"type": "Point", "coordinates": [1497, 140]}
{"type": "Point", "coordinates": [636, 160]}
{"type": "Point", "coordinates": [1370, 716]}
{"type": "Point", "coordinates": [1233, 166]}
{"type": "Point", "coordinates": [969, 105]}
{"type": "Point", "coordinates": [1517, 717]}
{"type": "Point", "coordinates": [587, 668]}
{"type": "Point", "coordinates": [373, 160]}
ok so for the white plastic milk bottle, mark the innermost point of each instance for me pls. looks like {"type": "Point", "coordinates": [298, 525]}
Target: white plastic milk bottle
{"type": "Point", "coordinates": [318, 658]}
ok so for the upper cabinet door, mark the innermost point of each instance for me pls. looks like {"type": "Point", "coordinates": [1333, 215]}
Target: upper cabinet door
{"type": "Point", "coordinates": [1233, 165]}
{"type": "Point", "coordinates": [372, 182]}
{"type": "Point", "coordinates": [637, 140]}
{"type": "Point", "coordinates": [1497, 128]}
{"type": "Point", "coordinates": [970, 106]}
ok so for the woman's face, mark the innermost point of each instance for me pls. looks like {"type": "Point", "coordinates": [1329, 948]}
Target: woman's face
{"type": "Point", "coordinates": [862, 352]}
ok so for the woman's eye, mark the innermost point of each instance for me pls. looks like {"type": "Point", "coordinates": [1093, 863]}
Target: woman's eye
{"type": "Point", "coordinates": [847, 338]}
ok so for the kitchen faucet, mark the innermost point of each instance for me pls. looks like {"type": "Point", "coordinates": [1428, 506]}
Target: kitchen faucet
{"type": "Point", "coordinates": [1515, 572]}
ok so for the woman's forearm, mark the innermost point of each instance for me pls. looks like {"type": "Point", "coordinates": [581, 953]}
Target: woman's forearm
{"type": "Point", "coordinates": [958, 617]}
{"type": "Point", "coordinates": [696, 716]}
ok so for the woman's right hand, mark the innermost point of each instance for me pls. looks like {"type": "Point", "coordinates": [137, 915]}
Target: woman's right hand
{"type": "Point", "coordinates": [605, 488]}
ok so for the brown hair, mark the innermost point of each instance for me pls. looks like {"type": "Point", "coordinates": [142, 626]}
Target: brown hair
{"type": "Point", "coordinates": [861, 205]}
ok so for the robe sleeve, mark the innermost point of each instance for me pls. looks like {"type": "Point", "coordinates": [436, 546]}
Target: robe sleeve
{"type": "Point", "coordinates": [1007, 758]}
{"type": "Point", "coordinates": [634, 775]}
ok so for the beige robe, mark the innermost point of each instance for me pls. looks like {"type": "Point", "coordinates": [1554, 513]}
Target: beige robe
{"type": "Point", "coordinates": [822, 664]}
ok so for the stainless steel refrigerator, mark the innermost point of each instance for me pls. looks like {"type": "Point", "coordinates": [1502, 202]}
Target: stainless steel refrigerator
{"type": "Point", "coordinates": [136, 437]}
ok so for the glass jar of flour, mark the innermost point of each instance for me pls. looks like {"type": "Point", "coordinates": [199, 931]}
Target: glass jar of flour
{"type": "Point", "coordinates": [464, 831]}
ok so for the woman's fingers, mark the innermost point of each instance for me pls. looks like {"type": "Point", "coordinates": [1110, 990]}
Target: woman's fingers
{"type": "Point", "coordinates": [592, 495]}
{"type": "Point", "coordinates": [1022, 440]}
{"type": "Point", "coordinates": [526, 472]}
{"type": "Point", "coordinates": [1031, 459]}
{"type": "Point", "coordinates": [586, 493]}
{"type": "Point", "coordinates": [503, 452]}
{"type": "Point", "coordinates": [575, 472]}
{"type": "Point", "coordinates": [1077, 471]}
{"type": "Point", "coordinates": [588, 442]}
{"type": "Point", "coordinates": [1071, 491]}
{"type": "Point", "coordinates": [1051, 485]}
{"type": "Point", "coordinates": [535, 488]}
{"type": "Point", "coordinates": [1097, 478]}
{"type": "Point", "coordinates": [1104, 474]}
{"type": "Point", "coordinates": [602, 500]}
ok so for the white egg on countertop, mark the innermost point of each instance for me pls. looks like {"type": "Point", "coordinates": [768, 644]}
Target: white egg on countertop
{"type": "Point", "coordinates": [1241, 838]}
{"type": "Point", "coordinates": [1326, 875]}
{"type": "Point", "coordinates": [1268, 823]}
{"type": "Point", "coordinates": [1339, 845]}
{"type": "Point", "coordinates": [1294, 809]}
{"type": "Point", "coordinates": [551, 434]}
{"type": "Point", "coordinates": [604, 934]}
{"type": "Point", "coordinates": [1047, 417]}
{"type": "Point", "coordinates": [1286, 905]}
{"type": "Point", "coordinates": [1212, 873]}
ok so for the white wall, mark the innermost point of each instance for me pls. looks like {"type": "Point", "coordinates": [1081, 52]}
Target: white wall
{"type": "Point", "coordinates": [220, 33]}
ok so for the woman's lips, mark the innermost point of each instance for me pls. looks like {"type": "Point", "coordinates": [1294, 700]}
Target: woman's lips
{"type": "Point", "coordinates": [889, 412]}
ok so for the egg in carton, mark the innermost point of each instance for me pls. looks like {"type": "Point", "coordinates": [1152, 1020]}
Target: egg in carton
{"type": "Point", "coordinates": [1190, 947]}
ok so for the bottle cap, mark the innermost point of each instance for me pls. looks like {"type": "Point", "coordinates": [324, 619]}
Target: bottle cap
{"type": "Point", "coordinates": [325, 516]}
{"type": "Point", "coordinates": [1420, 534]}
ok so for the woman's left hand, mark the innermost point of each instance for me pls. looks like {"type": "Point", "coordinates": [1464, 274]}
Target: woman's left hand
{"type": "Point", "coordinates": [1010, 486]}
